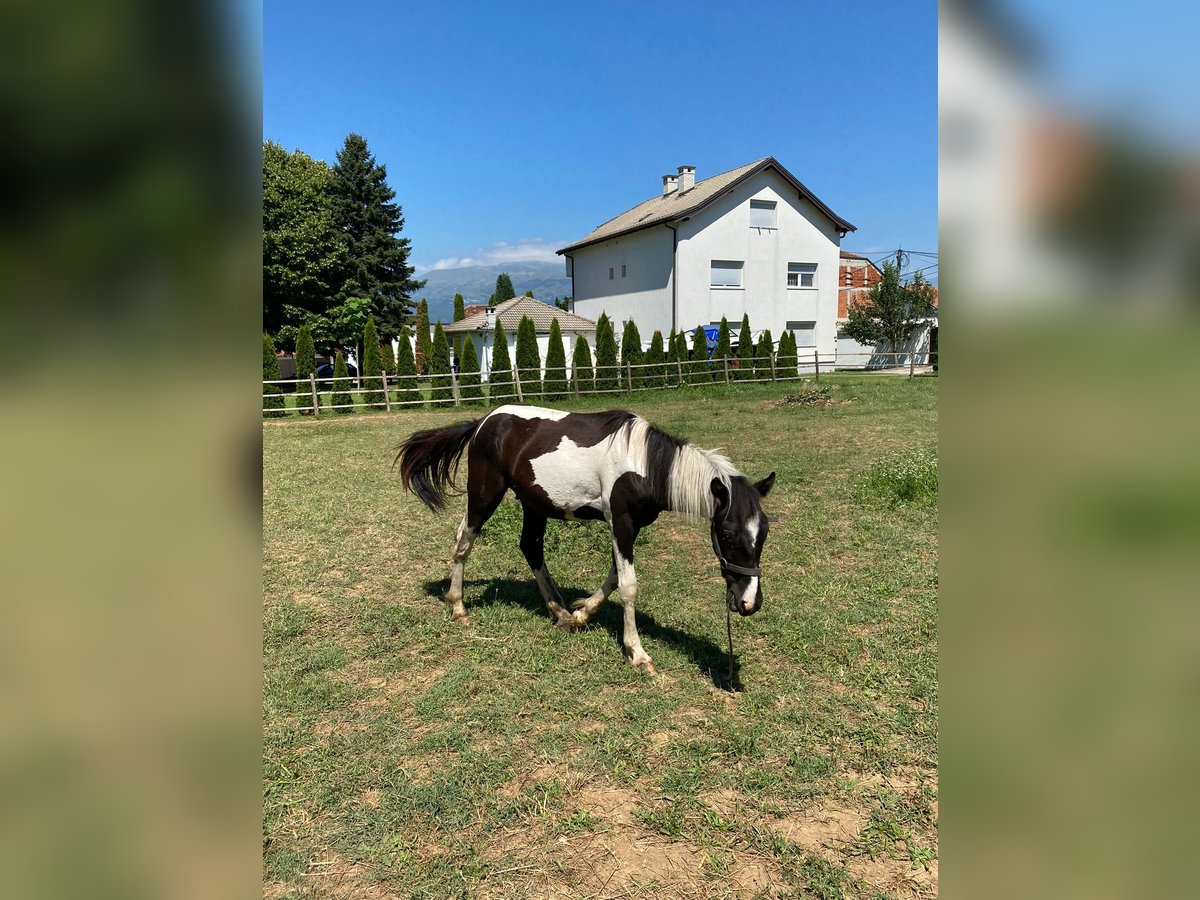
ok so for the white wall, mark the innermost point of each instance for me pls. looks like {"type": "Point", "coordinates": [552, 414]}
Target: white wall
{"type": "Point", "coordinates": [643, 294]}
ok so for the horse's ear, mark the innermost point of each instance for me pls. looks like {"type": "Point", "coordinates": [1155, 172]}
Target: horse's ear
{"type": "Point", "coordinates": [764, 487]}
{"type": "Point", "coordinates": [720, 494]}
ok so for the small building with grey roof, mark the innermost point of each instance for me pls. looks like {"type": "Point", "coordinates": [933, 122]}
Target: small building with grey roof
{"type": "Point", "coordinates": [481, 328]}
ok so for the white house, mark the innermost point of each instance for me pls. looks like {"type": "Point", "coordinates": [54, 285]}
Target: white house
{"type": "Point", "coordinates": [481, 327]}
{"type": "Point", "coordinates": [753, 240]}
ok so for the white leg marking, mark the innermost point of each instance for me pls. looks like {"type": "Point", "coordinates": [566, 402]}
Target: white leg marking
{"type": "Point", "coordinates": [462, 549]}
{"type": "Point", "coordinates": [586, 607]}
{"type": "Point", "coordinates": [627, 586]}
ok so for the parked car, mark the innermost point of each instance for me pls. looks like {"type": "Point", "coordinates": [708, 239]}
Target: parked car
{"type": "Point", "coordinates": [325, 372]}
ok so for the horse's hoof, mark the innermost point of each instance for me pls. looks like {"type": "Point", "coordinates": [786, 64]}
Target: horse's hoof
{"type": "Point", "coordinates": [460, 618]}
{"type": "Point", "coordinates": [644, 664]}
{"type": "Point", "coordinates": [580, 603]}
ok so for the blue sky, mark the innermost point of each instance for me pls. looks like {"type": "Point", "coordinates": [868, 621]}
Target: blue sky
{"type": "Point", "coordinates": [509, 130]}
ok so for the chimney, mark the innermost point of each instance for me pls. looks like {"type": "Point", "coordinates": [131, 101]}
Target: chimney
{"type": "Point", "coordinates": [670, 183]}
{"type": "Point", "coordinates": [687, 178]}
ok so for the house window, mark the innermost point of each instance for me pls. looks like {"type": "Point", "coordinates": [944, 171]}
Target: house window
{"type": "Point", "coordinates": [805, 333]}
{"type": "Point", "coordinates": [802, 275]}
{"type": "Point", "coordinates": [726, 273]}
{"type": "Point", "coordinates": [762, 213]}
{"type": "Point", "coordinates": [622, 270]}
{"type": "Point", "coordinates": [610, 273]}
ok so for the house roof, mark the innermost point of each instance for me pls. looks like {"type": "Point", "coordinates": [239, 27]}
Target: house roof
{"type": "Point", "coordinates": [847, 254]}
{"type": "Point", "coordinates": [683, 204]}
{"type": "Point", "coordinates": [510, 312]}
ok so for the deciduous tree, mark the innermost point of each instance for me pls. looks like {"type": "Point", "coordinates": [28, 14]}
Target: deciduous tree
{"type": "Point", "coordinates": [891, 311]}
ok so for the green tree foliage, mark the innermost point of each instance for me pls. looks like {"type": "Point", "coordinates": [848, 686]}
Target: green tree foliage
{"type": "Point", "coordinates": [891, 311]}
{"type": "Point", "coordinates": [460, 308]}
{"type": "Point", "coordinates": [581, 367]}
{"type": "Point", "coordinates": [631, 353]}
{"type": "Point", "coordinates": [762, 354]}
{"type": "Point", "coordinates": [371, 222]}
{"type": "Point", "coordinates": [701, 369]}
{"type": "Point", "coordinates": [406, 370]}
{"type": "Point", "coordinates": [388, 357]}
{"type": "Point", "coordinates": [529, 294]}
{"type": "Point", "coordinates": [340, 395]}
{"type": "Point", "coordinates": [655, 362]}
{"type": "Point", "coordinates": [272, 406]}
{"type": "Point", "coordinates": [469, 388]}
{"type": "Point", "coordinates": [556, 364]}
{"type": "Point", "coordinates": [439, 368]}
{"type": "Point", "coordinates": [306, 363]}
{"type": "Point", "coordinates": [371, 366]}
{"type": "Point", "coordinates": [563, 303]}
{"type": "Point", "coordinates": [785, 360]}
{"type": "Point", "coordinates": [500, 376]}
{"type": "Point", "coordinates": [745, 352]}
{"type": "Point", "coordinates": [529, 361]}
{"type": "Point", "coordinates": [672, 354]}
{"type": "Point", "coordinates": [304, 253]}
{"type": "Point", "coordinates": [681, 354]}
{"type": "Point", "coordinates": [504, 289]}
{"type": "Point", "coordinates": [424, 344]}
{"type": "Point", "coordinates": [722, 352]}
{"type": "Point", "coordinates": [606, 355]}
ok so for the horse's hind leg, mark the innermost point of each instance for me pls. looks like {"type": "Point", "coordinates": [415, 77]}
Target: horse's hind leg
{"type": "Point", "coordinates": [485, 490]}
{"type": "Point", "coordinates": [585, 607]}
{"type": "Point", "coordinates": [533, 535]}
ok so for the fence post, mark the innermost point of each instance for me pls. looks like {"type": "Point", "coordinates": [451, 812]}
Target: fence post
{"type": "Point", "coordinates": [771, 358]}
{"type": "Point", "coordinates": [628, 377]}
{"type": "Point", "coordinates": [575, 382]}
{"type": "Point", "coordinates": [725, 364]}
{"type": "Point", "coordinates": [312, 384]}
{"type": "Point", "coordinates": [817, 365]}
{"type": "Point", "coordinates": [912, 361]}
{"type": "Point", "coordinates": [517, 381]}
{"type": "Point", "coordinates": [454, 385]}
{"type": "Point", "coordinates": [387, 398]}
{"type": "Point", "coordinates": [679, 371]}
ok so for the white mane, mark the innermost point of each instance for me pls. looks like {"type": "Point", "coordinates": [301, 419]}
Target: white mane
{"type": "Point", "coordinates": [691, 478]}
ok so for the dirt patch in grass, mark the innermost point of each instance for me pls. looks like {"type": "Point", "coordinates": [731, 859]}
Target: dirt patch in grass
{"type": "Point", "coordinates": [896, 877]}
{"type": "Point", "coordinates": [825, 826]}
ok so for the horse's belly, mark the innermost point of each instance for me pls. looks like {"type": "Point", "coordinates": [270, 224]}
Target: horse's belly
{"type": "Point", "coordinates": [569, 476]}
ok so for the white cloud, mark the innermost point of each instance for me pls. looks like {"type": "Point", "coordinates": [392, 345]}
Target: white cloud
{"type": "Point", "coordinates": [524, 250]}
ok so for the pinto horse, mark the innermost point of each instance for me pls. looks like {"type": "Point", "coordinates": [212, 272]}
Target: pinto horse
{"type": "Point", "coordinates": [612, 466]}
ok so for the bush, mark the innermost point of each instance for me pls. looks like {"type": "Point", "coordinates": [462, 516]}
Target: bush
{"type": "Point", "coordinates": [631, 356]}
{"type": "Point", "coordinates": [906, 476]}
{"type": "Point", "coordinates": [372, 366]}
{"type": "Point", "coordinates": [340, 396]}
{"type": "Point", "coordinates": [762, 355]}
{"type": "Point", "coordinates": [722, 352]}
{"type": "Point", "coordinates": [388, 357]}
{"type": "Point", "coordinates": [582, 379]}
{"type": "Point", "coordinates": [406, 371]}
{"type": "Point", "coordinates": [272, 405]}
{"type": "Point", "coordinates": [529, 361]}
{"type": "Point", "coordinates": [678, 373]}
{"type": "Point", "coordinates": [469, 390]}
{"type": "Point", "coordinates": [439, 368]}
{"type": "Point", "coordinates": [655, 359]}
{"type": "Point", "coordinates": [700, 367]}
{"type": "Point", "coordinates": [500, 378]}
{"type": "Point", "coordinates": [745, 354]}
{"type": "Point", "coordinates": [556, 364]}
{"type": "Point", "coordinates": [785, 359]}
{"type": "Point", "coordinates": [606, 355]}
{"type": "Point", "coordinates": [306, 365]}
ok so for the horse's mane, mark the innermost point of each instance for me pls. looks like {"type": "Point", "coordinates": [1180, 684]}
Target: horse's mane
{"type": "Point", "coordinates": [679, 473]}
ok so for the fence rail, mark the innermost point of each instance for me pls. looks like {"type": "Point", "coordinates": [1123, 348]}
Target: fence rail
{"type": "Point", "coordinates": [629, 378]}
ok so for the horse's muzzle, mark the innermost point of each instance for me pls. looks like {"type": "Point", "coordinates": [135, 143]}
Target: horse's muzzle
{"type": "Point", "coordinates": [743, 602]}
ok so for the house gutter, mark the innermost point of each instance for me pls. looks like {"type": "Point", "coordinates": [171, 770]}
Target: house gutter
{"type": "Point", "coordinates": [572, 259]}
{"type": "Point", "coordinates": [674, 275]}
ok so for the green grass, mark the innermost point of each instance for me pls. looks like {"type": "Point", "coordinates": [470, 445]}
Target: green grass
{"type": "Point", "coordinates": [408, 756]}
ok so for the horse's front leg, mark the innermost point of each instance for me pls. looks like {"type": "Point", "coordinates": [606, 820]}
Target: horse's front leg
{"type": "Point", "coordinates": [624, 534]}
{"type": "Point", "coordinates": [533, 535]}
{"type": "Point", "coordinates": [585, 607]}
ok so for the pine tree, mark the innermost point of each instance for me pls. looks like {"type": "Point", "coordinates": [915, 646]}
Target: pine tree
{"type": "Point", "coordinates": [439, 368]}
{"type": "Point", "coordinates": [529, 361]}
{"type": "Point", "coordinates": [500, 376]}
{"type": "Point", "coordinates": [340, 396]}
{"type": "Point", "coordinates": [469, 389]}
{"type": "Point", "coordinates": [556, 364]}
{"type": "Point", "coordinates": [364, 212]}
{"type": "Point", "coordinates": [406, 370]}
{"type": "Point", "coordinates": [306, 364]}
{"type": "Point", "coordinates": [460, 313]}
{"type": "Point", "coordinates": [745, 352]}
{"type": "Point", "coordinates": [722, 355]}
{"type": "Point", "coordinates": [272, 406]}
{"type": "Point", "coordinates": [606, 355]}
{"type": "Point", "coordinates": [529, 294]}
{"type": "Point", "coordinates": [424, 345]}
{"type": "Point", "coordinates": [655, 359]}
{"type": "Point", "coordinates": [631, 354]}
{"type": "Point", "coordinates": [582, 378]}
{"type": "Point", "coordinates": [504, 289]}
{"type": "Point", "coordinates": [701, 370]}
{"type": "Point", "coordinates": [762, 354]}
{"type": "Point", "coordinates": [372, 366]}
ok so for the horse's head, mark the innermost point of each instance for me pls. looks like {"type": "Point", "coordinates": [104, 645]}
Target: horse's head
{"type": "Point", "coordinates": [739, 531]}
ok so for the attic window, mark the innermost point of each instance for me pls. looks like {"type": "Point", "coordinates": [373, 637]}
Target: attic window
{"type": "Point", "coordinates": [762, 213]}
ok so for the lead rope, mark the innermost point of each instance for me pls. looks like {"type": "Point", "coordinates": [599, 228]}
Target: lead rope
{"type": "Point", "coordinates": [729, 634]}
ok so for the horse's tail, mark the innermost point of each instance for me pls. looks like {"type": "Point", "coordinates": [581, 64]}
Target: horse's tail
{"type": "Point", "coordinates": [429, 461]}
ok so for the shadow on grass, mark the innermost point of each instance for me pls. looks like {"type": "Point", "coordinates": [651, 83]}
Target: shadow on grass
{"type": "Point", "coordinates": [710, 658]}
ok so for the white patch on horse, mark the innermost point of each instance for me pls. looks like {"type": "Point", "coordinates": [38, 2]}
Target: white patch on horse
{"type": "Point", "coordinates": [531, 412]}
{"type": "Point", "coordinates": [574, 476]}
{"type": "Point", "coordinates": [747, 599]}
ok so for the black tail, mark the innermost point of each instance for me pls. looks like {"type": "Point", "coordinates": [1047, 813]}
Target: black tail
{"type": "Point", "coordinates": [429, 461]}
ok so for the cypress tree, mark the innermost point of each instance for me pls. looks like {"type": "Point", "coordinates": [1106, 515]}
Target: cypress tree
{"type": "Point", "coordinates": [606, 355]}
{"type": "Point", "coordinates": [631, 352]}
{"type": "Point", "coordinates": [306, 364]}
{"type": "Point", "coordinates": [272, 406]}
{"type": "Point", "coordinates": [654, 362]}
{"type": "Point", "coordinates": [529, 294]}
{"type": "Point", "coordinates": [556, 364]}
{"type": "Point", "coordinates": [762, 354]}
{"type": "Point", "coordinates": [722, 351]}
{"type": "Point", "coordinates": [669, 369]}
{"type": "Point", "coordinates": [460, 313]}
{"type": "Point", "coordinates": [504, 289]}
{"type": "Point", "coordinates": [372, 366]}
{"type": "Point", "coordinates": [581, 367]}
{"type": "Point", "coordinates": [340, 396]}
{"type": "Point", "coordinates": [406, 370]}
{"type": "Point", "coordinates": [700, 368]}
{"type": "Point", "coordinates": [745, 352]}
{"type": "Point", "coordinates": [439, 368]}
{"type": "Point", "coordinates": [500, 378]}
{"type": "Point", "coordinates": [388, 357]}
{"type": "Point", "coordinates": [424, 346]}
{"type": "Point", "coordinates": [469, 389]}
{"type": "Point", "coordinates": [786, 361]}
{"type": "Point", "coordinates": [529, 361]}
{"type": "Point", "coordinates": [681, 353]}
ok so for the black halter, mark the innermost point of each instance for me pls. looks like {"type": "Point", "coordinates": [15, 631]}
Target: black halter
{"type": "Point", "coordinates": [728, 566]}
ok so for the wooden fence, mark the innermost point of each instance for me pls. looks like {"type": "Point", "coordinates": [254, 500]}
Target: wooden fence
{"type": "Point", "coordinates": [629, 378]}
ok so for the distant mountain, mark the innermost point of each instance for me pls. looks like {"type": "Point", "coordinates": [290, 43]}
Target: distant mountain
{"type": "Point", "coordinates": [476, 284]}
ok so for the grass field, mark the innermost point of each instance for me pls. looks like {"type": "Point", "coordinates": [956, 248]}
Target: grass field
{"type": "Point", "coordinates": [406, 756]}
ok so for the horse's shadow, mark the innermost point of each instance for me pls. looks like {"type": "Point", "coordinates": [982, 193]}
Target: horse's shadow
{"type": "Point", "coordinates": [710, 658]}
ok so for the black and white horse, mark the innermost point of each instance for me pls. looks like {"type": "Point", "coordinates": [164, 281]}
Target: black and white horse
{"type": "Point", "coordinates": [607, 465]}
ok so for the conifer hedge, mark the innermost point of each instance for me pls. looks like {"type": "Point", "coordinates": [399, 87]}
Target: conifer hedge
{"type": "Point", "coordinates": [556, 364]}
{"type": "Point", "coordinates": [406, 370]}
{"type": "Point", "coordinates": [655, 363]}
{"type": "Point", "coordinates": [500, 377]}
{"type": "Point", "coordinates": [372, 366]}
{"type": "Point", "coordinates": [529, 361]}
{"type": "Point", "coordinates": [469, 388]}
{"type": "Point", "coordinates": [762, 354]}
{"type": "Point", "coordinates": [306, 364]}
{"type": "Point", "coordinates": [606, 355]}
{"type": "Point", "coordinates": [700, 368]}
{"type": "Point", "coordinates": [631, 353]}
{"type": "Point", "coordinates": [745, 354]}
{"type": "Point", "coordinates": [582, 377]}
{"type": "Point", "coordinates": [272, 406]}
{"type": "Point", "coordinates": [340, 397]}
